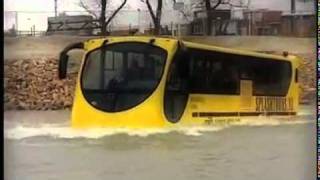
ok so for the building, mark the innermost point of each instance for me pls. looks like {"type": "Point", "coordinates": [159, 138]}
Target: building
{"type": "Point", "coordinates": [262, 22]}
{"type": "Point", "coordinates": [258, 18]}
{"type": "Point", "coordinates": [72, 25]}
{"type": "Point", "coordinates": [299, 25]}
{"type": "Point", "coordinates": [269, 22]}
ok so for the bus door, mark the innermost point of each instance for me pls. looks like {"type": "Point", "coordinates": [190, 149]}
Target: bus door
{"type": "Point", "coordinates": [176, 90]}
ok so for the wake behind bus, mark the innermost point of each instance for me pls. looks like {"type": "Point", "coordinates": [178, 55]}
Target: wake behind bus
{"type": "Point", "coordinates": [158, 82]}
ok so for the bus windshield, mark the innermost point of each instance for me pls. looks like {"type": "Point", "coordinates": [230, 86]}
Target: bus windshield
{"type": "Point", "coordinates": [120, 76]}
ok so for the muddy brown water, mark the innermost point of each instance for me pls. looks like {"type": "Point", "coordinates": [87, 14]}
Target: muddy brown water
{"type": "Point", "coordinates": [41, 145]}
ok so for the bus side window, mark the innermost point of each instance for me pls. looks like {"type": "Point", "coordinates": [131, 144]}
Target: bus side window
{"type": "Point", "coordinates": [296, 75]}
{"type": "Point", "coordinates": [271, 77]}
{"type": "Point", "coordinates": [213, 73]}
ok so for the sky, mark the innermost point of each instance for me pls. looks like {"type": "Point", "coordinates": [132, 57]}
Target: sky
{"type": "Point", "coordinates": [48, 5]}
{"type": "Point", "coordinates": [45, 8]}
{"type": "Point", "coordinates": [41, 10]}
{"type": "Point", "coordinates": [71, 5]}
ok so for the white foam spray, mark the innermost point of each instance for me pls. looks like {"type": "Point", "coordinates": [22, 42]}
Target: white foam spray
{"type": "Point", "coordinates": [64, 131]}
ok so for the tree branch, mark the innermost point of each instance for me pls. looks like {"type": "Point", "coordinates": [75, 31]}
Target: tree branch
{"type": "Point", "coordinates": [216, 5]}
{"type": "Point", "coordinates": [159, 8]}
{"type": "Point", "coordinates": [184, 15]}
{"type": "Point", "coordinates": [151, 11]}
{"type": "Point", "coordinates": [85, 7]}
{"type": "Point", "coordinates": [115, 12]}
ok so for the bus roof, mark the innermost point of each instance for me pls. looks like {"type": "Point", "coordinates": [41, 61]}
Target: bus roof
{"type": "Point", "coordinates": [237, 51]}
{"type": "Point", "coordinates": [209, 47]}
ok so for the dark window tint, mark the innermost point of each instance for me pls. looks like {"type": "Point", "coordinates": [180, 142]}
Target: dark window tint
{"type": "Point", "coordinates": [270, 77]}
{"type": "Point", "coordinates": [120, 76]}
{"type": "Point", "coordinates": [221, 73]}
{"type": "Point", "coordinates": [176, 94]}
{"type": "Point", "coordinates": [213, 73]}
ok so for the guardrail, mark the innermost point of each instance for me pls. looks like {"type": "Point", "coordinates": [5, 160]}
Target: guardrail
{"type": "Point", "coordinates": [25, 33]}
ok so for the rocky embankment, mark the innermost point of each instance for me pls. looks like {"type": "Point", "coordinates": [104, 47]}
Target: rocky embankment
{"type": "Point", "coordinates": [307, 78]}
{"type": "Point", "coordinates": [32, 84]}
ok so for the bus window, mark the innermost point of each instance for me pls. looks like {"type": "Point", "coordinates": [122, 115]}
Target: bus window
{"type": "Point", "coordinates": [157, 60]}
{"type": "Point", "coordinates": [92, 71]}
{"type": "Point", "coordinates": [176, 89]}
{"type": "Point", "coordinates": [118, 60]}
{"type": "Point", "coordinates": [270, 77]}
{"type": "Point", "coordinates": [109, 64]}
{"type": "Point", "coordinates": [124, 82]}
{"type": "Point", "coordinates": [220, 73]}
{"type": "Point", "coordinates": [113, 66]}
{"type": "Point", "coordinates": [136, 58]}
{"type": "Point", "coordinates": [135, 66]}
{"type": "Point", "coordinates": [213, 73]}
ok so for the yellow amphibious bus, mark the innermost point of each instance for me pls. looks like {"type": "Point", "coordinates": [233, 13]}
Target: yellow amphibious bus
{"type": "Point", "coordinates": [154, 82]}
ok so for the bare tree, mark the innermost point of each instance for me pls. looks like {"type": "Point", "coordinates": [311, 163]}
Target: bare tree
{"type": "Point", "coordinates": [185, 12]}
{"type": "Point", "coordinates": [156, 18]}
{"type": "Point", "coordinates": [91, 6]}
{"type": "Point", "coordinates": [209, 11]}
{"type": "Point", "coordinates": [211, 6]}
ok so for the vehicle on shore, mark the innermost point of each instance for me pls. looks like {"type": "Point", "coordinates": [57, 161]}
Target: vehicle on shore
{"type": "Point", "coordinates": [157, 82]}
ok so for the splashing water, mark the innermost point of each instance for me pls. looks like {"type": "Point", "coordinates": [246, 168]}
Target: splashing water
{"type": "Point", "coordinates": [58, 131]}
{"type": "Point", "coordinates": [21, 132]}
{"type": "Point", "coordinates": [25, 124]}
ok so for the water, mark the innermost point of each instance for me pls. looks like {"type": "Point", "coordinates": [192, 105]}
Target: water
{"type": "Point", "coordinates": [40, 145]}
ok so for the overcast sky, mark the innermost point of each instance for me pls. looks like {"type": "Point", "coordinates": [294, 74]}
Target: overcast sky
{"type": "Point", "coordinates": [48, 5]}
{"type": "Point", "coordinates": [26, 20]}
{"type": "Point", "coordinates": [71, 5]}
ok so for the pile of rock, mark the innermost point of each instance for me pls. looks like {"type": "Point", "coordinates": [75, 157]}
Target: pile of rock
{"type": "Point", "coordinates": [307, 78]}
{"type": "Point", "coordinates": [33, 84]}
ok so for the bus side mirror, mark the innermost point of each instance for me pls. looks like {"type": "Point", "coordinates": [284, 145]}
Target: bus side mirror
{"type": "Point", "coordinates": [63, 63]}
{"type": "Point", "coordinates": [63, 58]}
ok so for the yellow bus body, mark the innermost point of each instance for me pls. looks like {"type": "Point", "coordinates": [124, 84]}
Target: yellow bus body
{"type": "Point", "coordinates": [150, 113]}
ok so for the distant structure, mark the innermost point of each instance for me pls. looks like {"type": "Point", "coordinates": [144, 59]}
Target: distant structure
{"type": "Point", "coordinates": [300, 24]}
{"type": "Point", "coordinates": [200, 17]}
{"type": "Point", "coordinates": [72, 25]}
{"type": "Point", "coordinates": [255, 22]}
{"type": "Point", "coordinates": [263, 22]}
{"type": "Point", "coordinates": [225, 19]}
